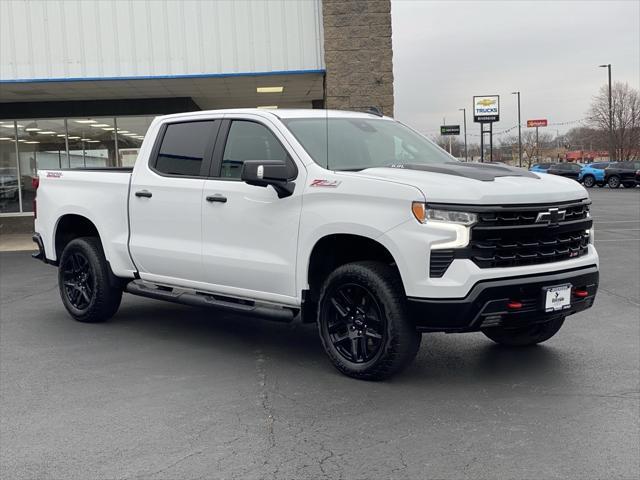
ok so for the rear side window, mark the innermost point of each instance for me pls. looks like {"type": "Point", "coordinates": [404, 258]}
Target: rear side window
{"type": "Point", "coordinates": [184, 148]}
{"type": "Point", "coordinates": [249, 141]}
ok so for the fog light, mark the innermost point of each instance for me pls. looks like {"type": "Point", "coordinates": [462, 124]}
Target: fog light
{"type": "Point", "coordinates": [581, 293]}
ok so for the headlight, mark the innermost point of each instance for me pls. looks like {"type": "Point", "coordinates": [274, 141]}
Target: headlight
{"type": "Point", "coordinates": [424, 215]}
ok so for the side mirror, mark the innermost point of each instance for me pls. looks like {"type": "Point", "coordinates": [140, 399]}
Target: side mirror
{"type": "Point", "coordinates": [262, 173]}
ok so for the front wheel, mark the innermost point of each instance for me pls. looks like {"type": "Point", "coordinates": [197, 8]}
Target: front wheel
{"type": "Point", "coordinates": [363, 321]}
{"type": "Point", "coordinates": [613, 182]}
{"type": "Point", "coordinates": [83, 279]}
{"type": "Point", "coordinates": [589, 181]}
{"type": "Point", "coordinates": [524, 336]}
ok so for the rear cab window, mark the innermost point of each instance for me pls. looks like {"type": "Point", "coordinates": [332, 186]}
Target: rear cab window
{"type": "Point", "coordinates": [186, 148]}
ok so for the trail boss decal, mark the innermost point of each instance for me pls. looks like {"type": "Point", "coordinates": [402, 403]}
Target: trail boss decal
{"type": "Point", "coordinates": [320, 182]}
{"type": "Point", "coordinates": [54, 174]}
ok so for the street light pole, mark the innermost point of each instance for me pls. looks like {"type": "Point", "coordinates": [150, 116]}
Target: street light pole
{"type": "Point", "coordinates": [519, 131]}
{"type": "Point", "coordinates": [611, 148]}
{"type": "Point", "coordinates": [464, 114]}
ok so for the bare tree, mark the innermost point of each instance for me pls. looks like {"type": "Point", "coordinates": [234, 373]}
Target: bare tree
{"type": "Point", "coordinates": [457, 146]}
{"type": "Point", "coordinates": [532, 151]}
{"type": "Point", "coordinates": [585, 138]}
{"type": "Point", "coordinates": [626, 118]}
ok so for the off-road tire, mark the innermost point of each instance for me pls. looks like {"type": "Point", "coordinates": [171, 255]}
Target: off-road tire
{"type": "Point", "coordinates": [524, 336]}
{"type": "Point", "coordinates": [104, 298]}
{"type": "Point", "coordinates": [399, 341]}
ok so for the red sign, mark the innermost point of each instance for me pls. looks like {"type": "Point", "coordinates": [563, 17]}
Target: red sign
{"type": "Point", "coordinates": [541, 122]}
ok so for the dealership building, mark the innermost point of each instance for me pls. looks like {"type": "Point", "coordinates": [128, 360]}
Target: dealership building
{"type": "Point", "coordinates": [80, 81]}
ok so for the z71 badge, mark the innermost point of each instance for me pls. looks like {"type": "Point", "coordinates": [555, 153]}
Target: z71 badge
{"type": "Point", "coordinates": [320, 182]}
{"type": "Point", "coordinates": [54, 174]}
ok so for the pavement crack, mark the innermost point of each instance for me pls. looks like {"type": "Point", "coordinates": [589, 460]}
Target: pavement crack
{"type": "Point", "coordinates": [628, 299]}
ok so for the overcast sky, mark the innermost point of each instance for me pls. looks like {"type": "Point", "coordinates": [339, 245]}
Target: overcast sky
{"type": "Point", "coordinates": [444, 52]}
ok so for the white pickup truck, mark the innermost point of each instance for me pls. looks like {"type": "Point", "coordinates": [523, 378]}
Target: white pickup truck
{"type": "Point", "coordinates": [350, 220]}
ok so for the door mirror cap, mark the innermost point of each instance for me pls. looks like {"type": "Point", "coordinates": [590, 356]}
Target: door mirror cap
{"type": "Point", "coordinates": [262, 173]}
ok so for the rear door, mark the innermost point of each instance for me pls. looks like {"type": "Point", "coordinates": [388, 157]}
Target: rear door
{"type": "Point", "coordinates": [165, 203]}
{"type": "Point", "coordinates": [250, 235]}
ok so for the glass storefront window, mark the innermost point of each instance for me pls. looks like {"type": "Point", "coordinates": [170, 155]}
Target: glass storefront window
{"type": "Point", "coordinates": [9, 181]}
{"type": "Point", "coordinates": [131, 132]}
{"type": "Point", "coordinates": [92, 142]}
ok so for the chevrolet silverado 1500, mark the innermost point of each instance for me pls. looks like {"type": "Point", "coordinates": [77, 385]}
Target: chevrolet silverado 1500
{"type": "Point", "coordinates": [350, 220]}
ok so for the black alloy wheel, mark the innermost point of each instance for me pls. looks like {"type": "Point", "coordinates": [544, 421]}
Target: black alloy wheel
{"type": "Point", "coordinates": [354, 323]}
{"type": "Point", "coordinates": [89, 290]}
{"type": "Point", "coordinates": [79, 280]}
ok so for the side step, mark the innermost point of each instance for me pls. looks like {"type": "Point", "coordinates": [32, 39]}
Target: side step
{"type": "Point", "coordinates": [277, 314]}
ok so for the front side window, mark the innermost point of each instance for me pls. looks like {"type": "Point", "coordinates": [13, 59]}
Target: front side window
{"type": "Point", "coordinates": [249, 141]}
{"type": "Point", "coordinates": [359, 143]}
{"type": "Point", "coordinates": [184, 147]}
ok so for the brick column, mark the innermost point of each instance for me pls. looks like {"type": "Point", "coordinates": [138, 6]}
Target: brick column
{"type": "Point", "coordinates": [358, 54]}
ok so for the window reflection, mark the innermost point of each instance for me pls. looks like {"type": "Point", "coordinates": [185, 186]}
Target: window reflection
{"type": "Point", "coordinates": [92, 142]}
{"type": "Point", "coordinates": [131, 132]}
{"type": "Point", "coordinates": [9, 183]}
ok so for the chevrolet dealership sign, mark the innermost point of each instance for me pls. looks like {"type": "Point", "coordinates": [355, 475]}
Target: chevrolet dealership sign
{"type": "Point", "coordinates": [486, 109]}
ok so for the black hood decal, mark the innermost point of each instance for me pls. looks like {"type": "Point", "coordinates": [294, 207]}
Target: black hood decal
{"type": "Point", "coordinates": [485, 172]}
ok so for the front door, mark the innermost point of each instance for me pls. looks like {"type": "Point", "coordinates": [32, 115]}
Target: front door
{"type": "Point", "coordinates": [250, 235]}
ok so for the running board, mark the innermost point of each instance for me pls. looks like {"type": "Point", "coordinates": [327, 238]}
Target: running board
{"type": "Point", "coordinates": [277, 314]}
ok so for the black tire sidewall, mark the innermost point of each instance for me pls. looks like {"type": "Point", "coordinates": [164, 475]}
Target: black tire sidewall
{"type": "Point", "coordinates": [401, 340]}
{"type": "Point", "coordinates": [105, 299]}
{"type": "Point", "coordinates": [616, 180]}
{"type": "Point", "coordinates": [589, 181]}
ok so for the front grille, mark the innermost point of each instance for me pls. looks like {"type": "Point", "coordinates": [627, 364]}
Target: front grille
{"type": "Point", "coordinates": [511, 237]}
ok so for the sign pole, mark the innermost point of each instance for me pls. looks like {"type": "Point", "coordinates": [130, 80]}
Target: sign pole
{"type": "Point", "coordinates": [491, 141]}
{"type": "Point", "coordinates": [482, 143]}
{"type": "Point", "coordinates": [537, 148]}
{"type": "Point", "coordinates": [449, 144]}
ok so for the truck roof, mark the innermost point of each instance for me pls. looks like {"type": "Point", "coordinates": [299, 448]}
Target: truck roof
{"type": "Point", "coordinates": [280, 113]}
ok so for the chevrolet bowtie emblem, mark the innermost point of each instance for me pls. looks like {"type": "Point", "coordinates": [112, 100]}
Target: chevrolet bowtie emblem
{"type": "Point", "coordinates": [551, 216]}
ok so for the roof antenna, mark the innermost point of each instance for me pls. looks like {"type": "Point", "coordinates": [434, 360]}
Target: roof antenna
{"type": "Point", "coordinates": [374, 111]}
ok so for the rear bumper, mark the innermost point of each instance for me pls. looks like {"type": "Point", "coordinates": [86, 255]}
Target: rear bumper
{"type": "Point", "coordinates": [40, 254]}
{"type": "Point", "coordinates": [486, 304]}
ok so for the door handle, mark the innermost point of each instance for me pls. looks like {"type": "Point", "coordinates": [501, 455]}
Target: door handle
{"type": "Point", "coordinates": [144, 193]}
{"type": "Point", "coordinates": [217, 198]}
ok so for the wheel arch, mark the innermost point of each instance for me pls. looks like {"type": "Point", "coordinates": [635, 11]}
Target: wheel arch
{"type": "Point", "coordinates": [71, 226]}
{"type": "Point", "coordinates": [335, 249]}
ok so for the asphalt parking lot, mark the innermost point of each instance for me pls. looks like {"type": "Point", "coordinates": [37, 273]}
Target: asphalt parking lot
{"type": "Point", "coordinates": [165, 391]}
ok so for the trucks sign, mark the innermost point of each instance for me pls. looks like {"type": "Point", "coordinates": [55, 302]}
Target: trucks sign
{"type": "Point", "coordinates": [450, 130]}
{"type": "Point", "coordinates": [486, 108]}
{"type": "Point", "coordinates": [540, 122]}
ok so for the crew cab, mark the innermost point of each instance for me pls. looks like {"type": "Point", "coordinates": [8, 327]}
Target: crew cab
{"type": "Point", "coordinates": [350, 220]}
{"type": "Point", "coordinates": [592, 174]}
{"type": "Point", "coordinates": [622, 173]}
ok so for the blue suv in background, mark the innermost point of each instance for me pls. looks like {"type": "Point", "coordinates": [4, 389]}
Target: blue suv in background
{"type": "Point", "coordinates": [540, 167]}
{"type": "Point", "coordinates": [592, 174]}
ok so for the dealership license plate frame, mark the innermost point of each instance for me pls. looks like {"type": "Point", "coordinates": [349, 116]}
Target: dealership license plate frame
{"type": "Point", "coordinates": [551, 290]}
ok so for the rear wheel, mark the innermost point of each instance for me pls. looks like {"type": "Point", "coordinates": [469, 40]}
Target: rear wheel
{"type": "Point", "coordinates": [363, 322]}
{"type": "Point", "coordinates": [613, 182]}
{"type": "Point", "coordinates": [524, 336]}
{"type": "Point", "coordinates": [84, 282]}
{"type": "Point", "coordinates": [589, 181]}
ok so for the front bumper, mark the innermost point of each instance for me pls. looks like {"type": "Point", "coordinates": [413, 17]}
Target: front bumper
{"type": "Point", "coordinates": [486, 304]}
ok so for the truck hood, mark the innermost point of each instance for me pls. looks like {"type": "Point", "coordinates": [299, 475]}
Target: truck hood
{"type": "Point", "coordinates": [481, 184]}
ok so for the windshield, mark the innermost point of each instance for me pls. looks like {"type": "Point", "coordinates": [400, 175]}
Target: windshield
{"type": "Point", "coordinates": [359, 143]}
